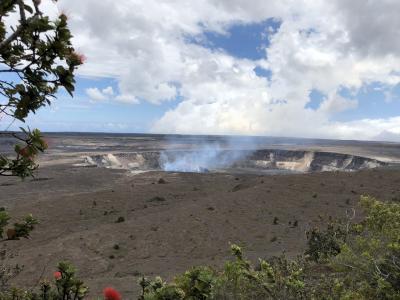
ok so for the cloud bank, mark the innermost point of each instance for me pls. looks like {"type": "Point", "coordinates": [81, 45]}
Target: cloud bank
{"type": "Point", "coordinates": [328, 46]}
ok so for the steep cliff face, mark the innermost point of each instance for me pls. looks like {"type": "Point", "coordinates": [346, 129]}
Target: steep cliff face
{"type": "Point", "coordinates": [310, 161]}
{"type": "Point", "coordinates": [225, 160]}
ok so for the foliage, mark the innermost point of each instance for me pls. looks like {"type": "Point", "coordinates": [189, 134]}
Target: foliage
{"type": "Point", "coordinates": [66, 287]}
{"type": "Point", "coordinates": [38, 57]}
{"type": "Point", "coordinates": [323, 244]}
{"type": "Point", "coordinates": [278, 279]}
{"type": "Point", "coordinates": [369, 263]}
{"type": "Point", "coordinates": [23, 229]}
{"type": "Point", "coordinates": [20, 229]}
{"type": "Point", "coordinates": [157, 289]}
{"type": "Point", "coordinates": [23, 164]}
{"type": "Point", "coordinates": [197, 283]}
{"type": "Point", "coordinates": [4, 218]}
{"type": "Point", "coordinates": [7, 273]}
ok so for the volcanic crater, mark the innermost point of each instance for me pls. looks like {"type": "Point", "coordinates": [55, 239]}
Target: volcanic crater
{"type": "Point", "coordinates": [266, 161]}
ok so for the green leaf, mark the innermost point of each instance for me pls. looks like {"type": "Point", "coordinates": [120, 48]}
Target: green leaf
{"type": "Point", "coordinates": [28, 8]}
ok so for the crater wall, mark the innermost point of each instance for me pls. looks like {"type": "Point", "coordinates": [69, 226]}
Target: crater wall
{"type": "Point", "coordinates": [230, 160]}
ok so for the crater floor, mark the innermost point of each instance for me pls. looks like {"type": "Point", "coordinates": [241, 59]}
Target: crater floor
{"type": "Point", "coordinates": [183, 220]}
{"type": "Point", "coordinates": [175, 220]}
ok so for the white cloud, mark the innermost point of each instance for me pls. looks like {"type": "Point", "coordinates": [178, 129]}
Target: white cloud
{"type": "Point", "coordinates": [321, 44]}
{"type": "Point", "coordinates": [126, 98]}
{"type": "Point", "coordinates": [388, 136]}
{"type": "Point", "coordinates": [337, 104]}
{"type": "Point", "coordinates": [95, 94]}
{"type": "Point", "coordinates": [378, 129]}
{"type": "Point", "coordinates": [108, 91]}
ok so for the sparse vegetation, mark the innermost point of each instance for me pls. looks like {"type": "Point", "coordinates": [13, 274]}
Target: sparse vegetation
{"type": "Point", "coordinates": [24, 229]}
{"type": "Point", "coordinates": [343, 261]}
{"type": "Point", "coordinates": [65, 286]}
{"type": "Point", "coordinates": [19, 230]}
{"type": "Point", "coordinates": [120, 220]}
{"type": "Point", "coordinates": [323, 244]}
{"type": "Point", "coordinates": [4, 218]}
{"type": "Point", "coordinates": [157, 199]}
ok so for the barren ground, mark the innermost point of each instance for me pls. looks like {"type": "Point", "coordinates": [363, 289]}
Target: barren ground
{"type": "Point", "coordinates": [192, 222]}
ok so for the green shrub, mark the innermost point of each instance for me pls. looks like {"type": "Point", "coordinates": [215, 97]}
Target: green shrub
{"type": "Point", "coordinates": [197, 283]}
{"type": "Point", "coordinates": [277, 279]}
{"type": "Point", "coordinates": [157, 289]}
{"type": "Point", "coordinates": [369, 262]}
{"type": "Point", "coordinates": [20, 229]}
{"type": "Point", "coordinates": [65, 287]}
{"type": "Point", "coordinates": [323, 244]}
{"type": "Point", "coordinates": [4, 218]}
{"type": "Point", "coordinates": [24, 229]}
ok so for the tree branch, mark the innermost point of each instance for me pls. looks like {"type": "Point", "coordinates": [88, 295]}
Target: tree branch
{"type": "Point", "coordinates": [10, 70]}
{"type": "Point", "coordinates": [12, 37]}
{"type": "Point", "coordinates": [19, 29]}
{"type": "Point", "coordinates": [22, 11]}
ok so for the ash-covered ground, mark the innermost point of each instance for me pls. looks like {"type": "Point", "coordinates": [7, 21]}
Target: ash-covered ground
{"type": "Point", "coordinates": [183, 200]}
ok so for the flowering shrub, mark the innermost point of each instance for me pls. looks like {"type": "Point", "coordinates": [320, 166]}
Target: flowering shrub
{"type": "Point", "coordinates": [111, 294]}
{"type": "Point", "coordinates": [57, 275]}
{"type": "Point", "coordinates": [65, 287]}
{"type": "Point", "coordinates": [38, 51]}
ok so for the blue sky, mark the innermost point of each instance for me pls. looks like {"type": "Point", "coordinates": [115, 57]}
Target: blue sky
{"type": "Point", "coordinates": [373, 103]}
{"type": "Point", "coordinates": [81, 114]}
{"type": "Point", "coordinates": [242, 40]}
{"type": "Point", "coordinates": [254, 69]}
{"type": "Point", "coordinates": [248, 41]}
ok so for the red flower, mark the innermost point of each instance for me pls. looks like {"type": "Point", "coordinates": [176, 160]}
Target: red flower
{"type": "Point", "coordinates": [81, 57]}
{"type": "Point", "coordinates": [24, 152]}
{"type": "Point", "coordinates": [77, 58]}
{"type": "Point", "coordinates": [57, 275]}
{"type": "Point", "coordinates": [111, 294]}
{"type": "Point", "coordinates": [63, 15]}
